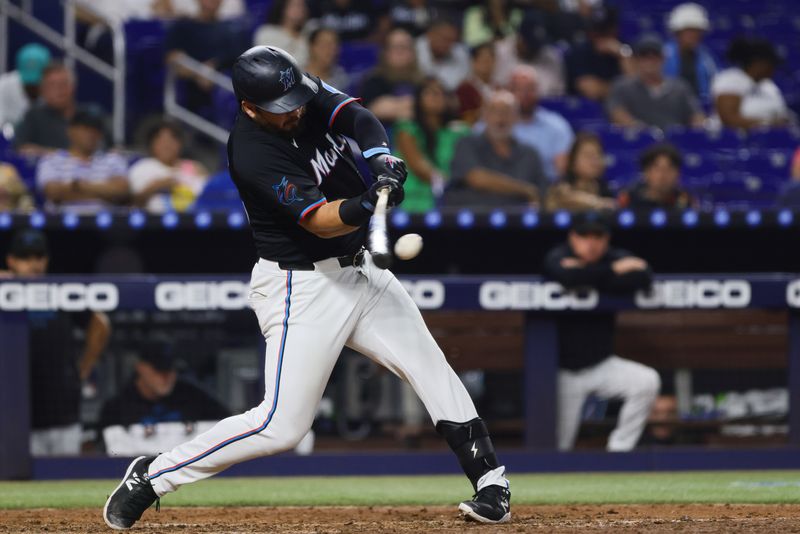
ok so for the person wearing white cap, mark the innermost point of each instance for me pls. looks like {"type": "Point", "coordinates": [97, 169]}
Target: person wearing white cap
{"type": "Point", "coordinates": [685, 56]}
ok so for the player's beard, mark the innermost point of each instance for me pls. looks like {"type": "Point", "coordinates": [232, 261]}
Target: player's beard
{"type": "Point", "coordinates": [289, 130]}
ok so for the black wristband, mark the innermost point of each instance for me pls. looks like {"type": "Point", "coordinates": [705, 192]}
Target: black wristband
{"type": "Point", "coordinates": [353, 213]}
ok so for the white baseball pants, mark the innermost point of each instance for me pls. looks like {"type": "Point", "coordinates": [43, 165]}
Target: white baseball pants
{"type": "Point", "coordinates": [307, 317]}
{"type": "Point", "coordinates": [636, 384]}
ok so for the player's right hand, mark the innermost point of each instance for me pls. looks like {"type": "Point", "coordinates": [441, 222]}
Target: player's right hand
{"type": "Point", "coordinates": [396, 193]}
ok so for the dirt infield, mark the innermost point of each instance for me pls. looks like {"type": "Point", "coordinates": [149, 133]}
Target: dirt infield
{"type": "Point", "coordinates": [643, 519]}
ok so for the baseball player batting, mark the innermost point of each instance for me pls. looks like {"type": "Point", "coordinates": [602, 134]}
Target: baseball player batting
{"type": "Point", "coordinates": [315, 289]}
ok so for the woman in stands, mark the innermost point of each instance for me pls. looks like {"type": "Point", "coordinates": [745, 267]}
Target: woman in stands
{"type": "Point", "coordinates": [583, 187]}
{"type": "Point", "coordinates": [745, 95]}
{"type": "Point", "coordinates": [388, 91]}
{"type": "Point", "coordinates": [323, 59]}
{"type": "Point", "coordinates": [427, 144]}
{"type": "Point", "coordinates": [164, 181]}
{"type": "Point", "coordinates": [284, 28]}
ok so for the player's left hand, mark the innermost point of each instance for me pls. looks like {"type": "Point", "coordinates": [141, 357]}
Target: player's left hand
{"type": "Point", "coordinates": [388, 165]}
{"type": "Point", "coordinates": [396, 193]}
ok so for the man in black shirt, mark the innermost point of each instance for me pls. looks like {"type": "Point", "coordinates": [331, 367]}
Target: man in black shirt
{"type": "Point", "coordinates": [315, 289]}
{"type": "Point", "coordinates": [586, 339]}
{"type": "Point", "coordinates": [56, 369]}
{"type": "Point", "coordinates": [156, 395]}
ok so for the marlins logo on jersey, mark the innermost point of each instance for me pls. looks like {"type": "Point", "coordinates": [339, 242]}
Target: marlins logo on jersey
{"type": "Point", "coordinates": [286, 192]}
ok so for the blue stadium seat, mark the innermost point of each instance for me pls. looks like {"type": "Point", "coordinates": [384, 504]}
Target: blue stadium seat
{"type": "Point", "coordinates": [581, 113]}
{"type": "Point", "coordinates": [615, 138]}
{"type": "Point", "coordinates": [774, 138]}
{"type": "Point", "coordinates": [219, 194]}
{"type": "Point", "coordinates": [694, 139]}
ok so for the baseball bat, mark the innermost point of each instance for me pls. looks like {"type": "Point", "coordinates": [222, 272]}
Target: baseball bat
{"type": "Point", "coordinates": [378, 236]}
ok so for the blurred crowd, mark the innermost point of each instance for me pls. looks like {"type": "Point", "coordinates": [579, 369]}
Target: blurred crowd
{"type": "Point", "coordinates": [462, 87]}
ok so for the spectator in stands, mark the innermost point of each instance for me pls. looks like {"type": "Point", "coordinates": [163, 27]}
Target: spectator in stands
{"type": "Point", "coordinates": [56, 369]}
{"type": "Point", "coordinates": [155, 394]}
{"type": "Point", "coordinates": [583, 186]}
{"type": "Point", "coordinates": [19, 89]}
{"type": "Point", "coordinates": [427, 144]}
{"type": "Point", "coordinates": [685, 56]}
{"type": "Point", "coordinates": [660, 184]}
{"type": "Point", "coordinates": [414, 16]}
{"type": "Point", "coordinates": [593, 65]}
{"type": "Point", "coordinates": [440, 54]}
{"type": "Point", "coordinates": [207, 39]}
{"type": "Point", "coordinates": [493, 19]}
{"type": "Point", "coordinates": [164, 181]}
{"type": "Point", "coordinates": [353, 21]}
{"type": "Point", "coordinates": [83, 178]}
{"type": "Point", "coordinates": [323, 60]}
{"type": "Point", "coordinates": [531, 47]}
{"type": "Point", "coordinates": [478, 85]}
{"type": "Point", "coordinates": [14, 194]}
{"type": "Point", "coordinates": [388, 91]}
{"type": "Point", "coordinates": [492, 168]}
{"type": "Point", "coordinates": [546, 131]}
{"type": "Point", "coordinates": [284, 27]}
{"type": "Point", "coordinates": [647, 98]}
{"type": "Point", "coordinates": [587, 363]}
{"type": "Point", "coordinates": [745, 95]}
{"type": "Point", "coordinates": [44, 126]}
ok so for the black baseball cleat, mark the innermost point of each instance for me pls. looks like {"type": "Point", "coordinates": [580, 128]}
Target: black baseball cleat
{"type": "Point", "coordinates": [492, 504]}
{"type": "Point", "coordinates": [132, 497]}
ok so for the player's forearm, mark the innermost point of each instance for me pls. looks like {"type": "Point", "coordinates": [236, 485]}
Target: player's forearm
{"type": "Point", "coordinates": [358, 123]}
{"type": "Point", "coordinates": [326, 221]}
{"type": "Point", "coordinates": [97, 335]}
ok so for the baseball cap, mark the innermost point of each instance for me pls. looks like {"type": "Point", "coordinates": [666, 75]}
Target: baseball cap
{"type": "Point", "coordinates": [159, 354]}
{"type": "Point", "coordinates": [590, 222]}
{"type": "Point", "coordinates": [28, 243]}
{"type": "Point", "coordinates": [87, 118]}
{"type": "Point", "coordinates": [649, 43]}
{"type": "Point", "coordinates": [688, 16]}
{"type": "Point", "coordinates": [31, 61]}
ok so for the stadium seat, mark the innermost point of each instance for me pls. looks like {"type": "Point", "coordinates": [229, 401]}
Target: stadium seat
{"type": "Point", "coordinates": [219, 194]}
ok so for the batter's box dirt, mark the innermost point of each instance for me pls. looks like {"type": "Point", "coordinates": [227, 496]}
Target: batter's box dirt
{"type": "Point", "coordinates": [644, 519]}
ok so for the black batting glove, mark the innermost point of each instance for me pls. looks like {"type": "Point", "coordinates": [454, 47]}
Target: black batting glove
{"type": "Point", "coordinates": [388, 165]}
{"type": "Point", "coordinates": [396, 194]}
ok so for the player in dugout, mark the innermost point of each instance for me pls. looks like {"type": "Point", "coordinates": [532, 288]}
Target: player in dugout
{"type": "Point", "coordinates": [58, 362]}
{"type": "Point", "coordinates": [316, 289]}
{"type": "Point", "coordinates": [587, 363]}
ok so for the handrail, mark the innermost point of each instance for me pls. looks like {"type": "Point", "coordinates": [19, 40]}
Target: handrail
{"type": "Point", "coordinates": [66, 42]}
{"type": "Point", "coordinates": [187, 116]}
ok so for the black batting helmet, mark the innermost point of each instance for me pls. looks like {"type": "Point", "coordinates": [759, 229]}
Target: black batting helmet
{"type": "Point", "coordinates": [271, 79]}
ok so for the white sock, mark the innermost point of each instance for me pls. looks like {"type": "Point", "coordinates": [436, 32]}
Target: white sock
{"type": "Point", "coordinates": [495, 477]}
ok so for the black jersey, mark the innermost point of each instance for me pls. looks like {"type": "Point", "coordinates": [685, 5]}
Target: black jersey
{"type": "Point", "coordinates": [281, 179]}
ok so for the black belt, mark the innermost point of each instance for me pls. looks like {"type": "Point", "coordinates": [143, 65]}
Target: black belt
{"type": "Point", "coordinates": [351, 260]}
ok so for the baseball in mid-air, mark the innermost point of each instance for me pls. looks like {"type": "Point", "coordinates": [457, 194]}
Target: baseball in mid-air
{"type": "Point", "coordinates": [408, 246]}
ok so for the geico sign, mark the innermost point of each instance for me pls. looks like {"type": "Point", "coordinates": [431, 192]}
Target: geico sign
{"type": "Point", "coordinates": [793, 294]}
{"type": "Point", "coordinates": [534, 296]}
{"type": "Point", "coordinates": [174, 296]}
{"type": "Point", "coordinates": [696, 294]}
{"type": "Point", "coordinates": [427, 294]}
{"type": "Point", "coordinates": [70, 297]}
